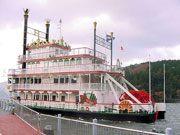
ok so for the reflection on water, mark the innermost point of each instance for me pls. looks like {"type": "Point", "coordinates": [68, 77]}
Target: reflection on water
{"type": "Point", "coordinates": [172, 120]}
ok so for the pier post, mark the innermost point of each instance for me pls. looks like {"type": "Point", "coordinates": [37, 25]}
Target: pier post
{"type": "Point", "coordinates": [94, 127]}
{"type": "Point", "coordinates": [59, 124]}
{"type": "Point", "coordinates": [169, 131]}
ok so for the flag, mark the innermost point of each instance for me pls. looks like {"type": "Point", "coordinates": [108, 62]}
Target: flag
{"type": "Point", "coordinates": [108, 37]}
{"type": "Point", "coordinates": [122, 48]}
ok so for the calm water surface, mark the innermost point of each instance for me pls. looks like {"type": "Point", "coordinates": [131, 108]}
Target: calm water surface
{"type": "Point", "coordinates": [172, 120]}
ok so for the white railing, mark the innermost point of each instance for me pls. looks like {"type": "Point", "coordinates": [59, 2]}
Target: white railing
{"type": "Point", "coordinates": [68, 68]}
{"type": "Point", "coordinates": [77, 51]}
{"type": "Point", "coordinates": [78, 86]}
{"type": "Point", "coordinates": [63, 126]}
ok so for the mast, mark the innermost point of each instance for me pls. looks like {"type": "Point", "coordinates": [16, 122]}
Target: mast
{"type": "Point", "coordinates": [111, 48]}
{"type": "Point", "coordinates": [26, 11]}
{"type": "Point", "coordinates": [149, 79]}
{"type": "Point", "coordinates": [164, 84]}
{"type": "Point", "coordinates": [95, 23]}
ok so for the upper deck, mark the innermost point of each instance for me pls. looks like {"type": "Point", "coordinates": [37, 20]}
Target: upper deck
{"type": "Point", "coordinates": [67, 69]}
{"type": "Point", "coordinates": [53, 54]}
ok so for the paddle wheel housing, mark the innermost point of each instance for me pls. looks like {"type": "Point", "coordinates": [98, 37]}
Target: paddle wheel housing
{"type": "Point", "coordinates": [142, 96]}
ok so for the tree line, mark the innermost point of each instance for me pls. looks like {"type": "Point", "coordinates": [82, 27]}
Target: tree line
{"type": "Point", "coordinates": [138, 75]}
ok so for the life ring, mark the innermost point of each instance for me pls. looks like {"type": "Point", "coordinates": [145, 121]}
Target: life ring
{"type": "Point", "coordinates": [87, 108]}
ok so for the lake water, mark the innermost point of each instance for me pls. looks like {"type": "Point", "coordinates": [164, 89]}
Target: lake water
{"type": "Point", "coordinates": [172, 120]}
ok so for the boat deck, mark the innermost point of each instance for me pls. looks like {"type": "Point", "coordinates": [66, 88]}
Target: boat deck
{"type": "Point", "coordinates": [12, 125]}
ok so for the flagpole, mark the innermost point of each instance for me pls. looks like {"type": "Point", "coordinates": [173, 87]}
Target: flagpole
{"type": "Point", "coordinates": [60, 22]}
{"type": "Point", "coordinates": [95, 23]}
{"type": "Point", "coordinates": [149, 79]}
{"type": "Point", "coordinates": [111, 48]}
{"type": "Point", "coordinates": [164, 85]}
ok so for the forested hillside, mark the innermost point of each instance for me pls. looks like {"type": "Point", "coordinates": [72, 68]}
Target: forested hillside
{"type": "Point", "coordinates": [138, 75]}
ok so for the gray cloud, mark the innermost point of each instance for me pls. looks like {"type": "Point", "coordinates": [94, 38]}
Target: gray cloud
{"type": "Point", "coordinates": [141, 25]}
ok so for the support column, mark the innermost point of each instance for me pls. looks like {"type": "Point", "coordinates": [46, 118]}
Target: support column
{"type": "Point", "coordinates": [40, 95]}
{"type": "Point", "coordinates": [49, 95]}
{"type": "Point", "coordinates": [25, 95]}
{"type": "Point", "coordinates": [101, 80]}
{"type": "Point", "coordinates": [89, 82]}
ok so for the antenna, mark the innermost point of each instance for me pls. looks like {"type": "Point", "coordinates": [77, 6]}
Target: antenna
{"type": "Point", "coordinates": [59, 27]}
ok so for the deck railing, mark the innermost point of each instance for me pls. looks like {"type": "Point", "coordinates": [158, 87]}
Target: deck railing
{"type": "Point", "coordinates": [66, 87]}
{"type": "Point", "coordinates": [68, 68]}
{"type": "Point", "coordinates": [63, 126]}
{"type": "Point", "coordinates": [77, 51]}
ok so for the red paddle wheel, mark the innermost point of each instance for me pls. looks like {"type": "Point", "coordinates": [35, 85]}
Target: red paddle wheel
{"type": "Point", "coordinates": [142, 96]}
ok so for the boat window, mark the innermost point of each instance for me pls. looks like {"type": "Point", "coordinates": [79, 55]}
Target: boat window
{"type": "Point", "coordinates": [31, 80]}
{"type": "Point", "coordinates": [61, 80]}
{"type": "Point", "coordinates": [37, 97]}
{"type": "Point", "coordinates": [66, 80]}
{"type": "Point", "coordinates": [36, 80]}
{"type": "Point", "coordinates": [56, 51]}
{"type": "Point", "coordinates": [39, 80]}
{"type": "Point", "coordinates": [79, 61]}
{"type": "Point", "coordinates": [56, 80]}
{"type": "Point", "coordinates": [62, 98]}
{"type": "Point", "coordinates": [16, 80]}
{"type": "Point", "coordinates": [45, 97]}
{"type": "Point", "coordinates": [66, 62]}
{"type": "Point", "coordinates": [74, 80]}
{"type": "Point", "coordinates": [9, 80]}
{"type": "Point", "coordinates": [54, 98]}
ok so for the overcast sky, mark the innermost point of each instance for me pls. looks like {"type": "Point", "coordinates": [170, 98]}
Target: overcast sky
{"type": "Point", "coordinates": [142, 27]}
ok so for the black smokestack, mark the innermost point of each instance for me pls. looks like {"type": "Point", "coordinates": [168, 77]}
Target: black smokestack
{"type": "Point", "coordinates": [47, 30]}
{"type": "Point", "coordinates": [26, 11]}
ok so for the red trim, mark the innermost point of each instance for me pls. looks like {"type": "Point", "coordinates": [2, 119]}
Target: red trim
{"type": "Point", "coordinates": [47, 90]}
{"type": "Point", "coordinates": [55, 45]}
{"type": "Point", "coordinates": [60, 57]}
{"type": "Point", "coordinates": [82, 72]}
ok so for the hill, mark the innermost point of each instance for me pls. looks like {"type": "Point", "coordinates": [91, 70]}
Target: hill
{"type": "Point", "coordinates": [138, 75]}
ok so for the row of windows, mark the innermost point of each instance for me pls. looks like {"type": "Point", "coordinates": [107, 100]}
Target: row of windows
{"type": "Point", "coordinates": [39, 80]}
{"type": "Point", "coordinates": [46, 97]}
{"type": "Point", "coordinates": [65, 80]}
{"type": "Point", "coordinates": [60, 60]}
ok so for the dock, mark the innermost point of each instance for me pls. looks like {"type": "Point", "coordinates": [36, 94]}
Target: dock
{"type": "Point", "coordinates": [12, 125]}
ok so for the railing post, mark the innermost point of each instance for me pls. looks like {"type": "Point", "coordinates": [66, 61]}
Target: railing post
{"type": "Point", "coordinates": [169, 131]}
{"type": "Point", "coordinates": [94, 127]}
{"type": "Point", "coordinates": [59, 124]}
{"type": "Point", "coordinates": [39, 124]}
